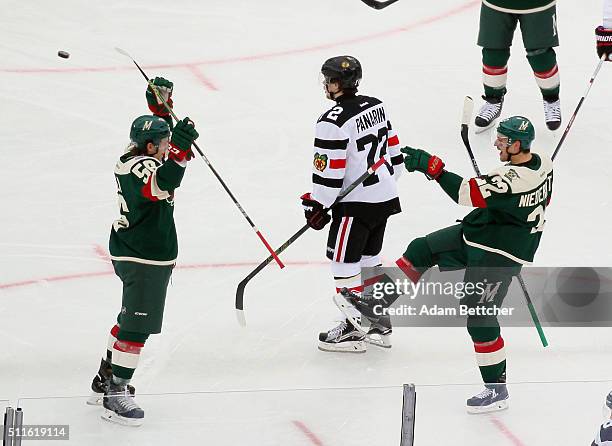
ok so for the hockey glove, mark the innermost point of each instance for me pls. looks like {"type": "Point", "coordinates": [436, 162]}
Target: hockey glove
{"type": "Point", "coordinates": [420, 160]}
{"type": "Point", "coordinates": [316, 215]}
{"type": "Point", "coordinates": [604, 42]}
{"type": "Point", "coordinates": [164, 87]}
{"type": "Point", "coordinates": [183, 136]}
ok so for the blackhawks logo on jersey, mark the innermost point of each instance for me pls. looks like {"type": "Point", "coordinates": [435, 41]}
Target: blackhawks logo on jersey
{"type": "Point", "coordinates": [320, 162]}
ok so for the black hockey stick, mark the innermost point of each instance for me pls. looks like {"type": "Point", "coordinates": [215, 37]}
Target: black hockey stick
{"type": "Point", "coordinates": [242, 285]}
{"type": "Point", "coordinates": [468, 106]}
{"type": "Point", "coordinates": [378, 5]}
{"type": "Point", "coordinates": [586, 93]}
{"type": "Point", "coordinates": [208, 163]}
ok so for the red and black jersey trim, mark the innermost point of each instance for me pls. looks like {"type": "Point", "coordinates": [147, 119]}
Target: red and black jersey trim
{"type": "Point", "coordinates": [331, 144]}
{"type": "Point", "coordinates": [336, 183]}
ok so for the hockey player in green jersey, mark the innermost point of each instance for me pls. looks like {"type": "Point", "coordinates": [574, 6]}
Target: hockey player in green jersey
{"type": "Point", "coordinates": [143, 249]}
{"type": "Point", "coordinates": [498, 21]}
{"type": "Point", "coordinates": [491, 243]}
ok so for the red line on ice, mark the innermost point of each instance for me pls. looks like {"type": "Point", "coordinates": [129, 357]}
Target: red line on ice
{"type": "Point", "coordinates": [310, 434]}
{"type": "Point", "coordinates": [75, 276]}
{"type": "Point", "coordinates": [506, 431]}
{"type": "Point", "coordinates": [261, 56]}
{"type": "Point", "coordinates": [201, 78]}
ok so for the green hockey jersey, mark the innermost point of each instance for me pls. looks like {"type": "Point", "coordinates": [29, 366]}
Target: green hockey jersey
{"type": "Point", "coordinates": [511, 202]}
{"type": "Point", "coordinates": [145, 231]}
{"type": "Point", "coordinates": [519, 6]}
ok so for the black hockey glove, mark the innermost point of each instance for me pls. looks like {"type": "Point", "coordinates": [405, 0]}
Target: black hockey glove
{"type": "Point", "coordinates": [316, 215]}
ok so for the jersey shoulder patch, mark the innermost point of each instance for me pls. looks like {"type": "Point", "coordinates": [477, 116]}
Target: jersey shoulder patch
{"type": "Point", "coordinates": [347, 109]}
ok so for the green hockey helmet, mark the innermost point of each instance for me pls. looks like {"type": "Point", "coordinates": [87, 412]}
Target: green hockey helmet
{"type": "Point", "coordinates": [148, 128]}
{"type": "Point", "coordinates": [517, 128]}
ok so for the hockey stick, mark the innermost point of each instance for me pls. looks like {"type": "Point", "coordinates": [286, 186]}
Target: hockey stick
{"type": "Point", "coordinates": [242, 285]}
{"type": "Point", "coordinates": [378, 5]}
{"type": "Point", "coordinates": [208, 163]}
{"type": "Point", "coordinates": [468, 106]}
{"type": "Point", "coordinates": [571, 121]}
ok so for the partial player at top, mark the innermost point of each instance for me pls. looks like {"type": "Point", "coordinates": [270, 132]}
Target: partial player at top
{"type": "Point", "coordinates": [538, 20]}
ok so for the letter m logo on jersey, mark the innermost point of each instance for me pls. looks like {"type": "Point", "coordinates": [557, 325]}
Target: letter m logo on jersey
{"type": "Point", "coordinates": [147, 125]}
{"type": "Point", "coordinates": [489, 293]}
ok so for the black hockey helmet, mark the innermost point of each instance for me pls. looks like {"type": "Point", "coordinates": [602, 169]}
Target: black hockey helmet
{"type": "Point", "coordinates": [346, 70]}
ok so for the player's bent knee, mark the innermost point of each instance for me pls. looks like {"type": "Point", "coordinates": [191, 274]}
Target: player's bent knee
{"type": "Point", "coordinates": [495, 57]}
{"type": "Point", "coordinates": [483, 329]}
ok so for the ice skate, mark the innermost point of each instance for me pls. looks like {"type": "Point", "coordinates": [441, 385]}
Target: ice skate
{"type": "Point", "coordinates": [552, 114]}
{"type": "Point", "coordinates": [342, 338]}
{"type": "Point", "coordinates": [493, 398]}
{"type": "Point", "coordinates": [379, 331]}
{"type": "Point", "coordinates": [489, 112]}
{"type": "Point", "coordinates": [99, 385]}
{"type": "Point", "coordinates": [120, 407]}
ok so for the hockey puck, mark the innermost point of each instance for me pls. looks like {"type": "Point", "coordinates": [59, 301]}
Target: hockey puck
{"type": "Point", "coordinates": [63, 54]}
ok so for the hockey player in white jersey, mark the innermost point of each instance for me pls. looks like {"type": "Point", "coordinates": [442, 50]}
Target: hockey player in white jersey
{"type": "Point", "coordinates": [350, 137]}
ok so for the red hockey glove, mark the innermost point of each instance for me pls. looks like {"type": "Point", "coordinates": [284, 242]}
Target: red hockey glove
{"type": "Point", "coordinates": [316, 215]}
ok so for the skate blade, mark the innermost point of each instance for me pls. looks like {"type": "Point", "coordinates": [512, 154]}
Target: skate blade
{"type": "Point", "coordinates": [500, 405]}
{"type": "Point", "coordinates": [379, 341]}
{"type": "Point", "coordinates": [479, 130]}
{"type": "Point", "coordinates": [345, 307]}
{"type": "Point", "coordinates": [95, 399]}
{"type": "Point", "coordinates": [112, 417]}
{"type": "Point", "coordinates": [346, 347]}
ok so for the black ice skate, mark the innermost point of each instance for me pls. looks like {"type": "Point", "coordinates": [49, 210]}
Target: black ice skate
{"type": "Point", "coordinates": [120, 407]}
{"type": "Point", "coordinates": [342, 338]}
{"type": "Point", "coordinates": [99, 385]}
{"type": "Point", "coordinates": [379, 333]}
{"type": "Point", "coordinates": [493, 398]}
{"type": "Point", "coordinates": [380, 329]}
{"type": "Point", "coordinates": [552, 114]}
{"type": "Point", "coordinates": [489, 112]}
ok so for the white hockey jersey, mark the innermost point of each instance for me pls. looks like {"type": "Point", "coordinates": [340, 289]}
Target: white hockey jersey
{"type": "Point", "coordinates": [351, 137]}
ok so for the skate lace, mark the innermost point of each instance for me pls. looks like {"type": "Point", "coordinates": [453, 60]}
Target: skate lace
{"type": "Point", "coordinates": [337, 331]}
{"type": "Point", "coordinates": [485, 393]}
{"type": "Point", "coordinates": [126, 401]}
{"type": "Point", "coordinates": [552, 111]}
{"type": "Point", "coordinates": [488, 110]}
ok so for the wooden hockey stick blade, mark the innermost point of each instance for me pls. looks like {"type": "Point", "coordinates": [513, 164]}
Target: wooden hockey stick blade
{"type": "Point", "coordinates": [378, 5]}
{"type": "Point", "coordinates": [240, 317]}
{"type": "Point", "coordinates": [468, 108]}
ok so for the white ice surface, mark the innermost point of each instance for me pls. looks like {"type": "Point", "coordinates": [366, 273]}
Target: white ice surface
{"type": "Point", "coordinates": [247, 73]}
